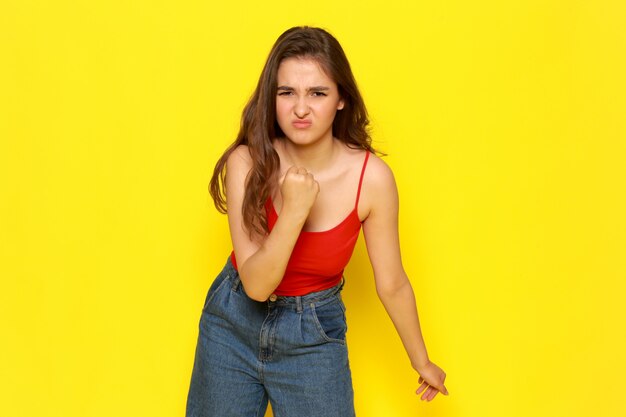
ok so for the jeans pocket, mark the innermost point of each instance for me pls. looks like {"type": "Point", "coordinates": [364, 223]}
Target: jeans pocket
{"type": "Point", "coordinates": [330, 321]}
{"type": "Point", "coordinates": [217, 284]}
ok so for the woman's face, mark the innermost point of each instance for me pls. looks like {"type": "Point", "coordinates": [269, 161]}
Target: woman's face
{"type": "Point", "coordinates": [306, 102]}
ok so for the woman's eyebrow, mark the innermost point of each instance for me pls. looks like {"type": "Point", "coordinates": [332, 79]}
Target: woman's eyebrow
{"type": "Point", "coordinates": [317, 88]}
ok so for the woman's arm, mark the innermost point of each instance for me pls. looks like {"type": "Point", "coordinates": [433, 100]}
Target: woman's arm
{"type": "Point", "coordinates": [392, 284]}
{"type": "Point", "coordinates": [262, 262]}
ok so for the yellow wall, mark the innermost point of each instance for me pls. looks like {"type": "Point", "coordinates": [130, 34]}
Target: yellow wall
{"type": "Point", "coordinates": [505, 126]}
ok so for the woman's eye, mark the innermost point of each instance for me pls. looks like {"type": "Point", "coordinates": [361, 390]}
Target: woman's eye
{"type": "Point", "coordinates": [314, 93]}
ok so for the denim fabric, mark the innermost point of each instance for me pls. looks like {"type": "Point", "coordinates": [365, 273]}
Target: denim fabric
{"type": "Point", "coordinates": [291, 351]}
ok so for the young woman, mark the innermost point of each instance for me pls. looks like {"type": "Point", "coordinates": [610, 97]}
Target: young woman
{"type": "Point", "coordinates": [300, 181]}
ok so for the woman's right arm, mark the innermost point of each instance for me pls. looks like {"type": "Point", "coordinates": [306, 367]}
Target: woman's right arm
{"type": "Point", "coordinates": [262, 262]}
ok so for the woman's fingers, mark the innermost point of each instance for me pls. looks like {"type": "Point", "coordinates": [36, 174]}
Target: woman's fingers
{"type": "Point", "coordinates": [430, 393]}
{"type": "Point", "coordinates": [299, 190]}
{"type": "Point", "coordinates": [436, 377]}
{"type": "Point", "coordinates": [439, 387]}
{"type": "Point", "coordinates": [297, 170]}
{"type": "Point", "coordinates": [292, 169]}
{"type": "Point", "coordinates": [421, 388]}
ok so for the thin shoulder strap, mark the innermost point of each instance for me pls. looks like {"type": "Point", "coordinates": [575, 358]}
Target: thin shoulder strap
{"type": "Point", "coordinates": [358, 193]}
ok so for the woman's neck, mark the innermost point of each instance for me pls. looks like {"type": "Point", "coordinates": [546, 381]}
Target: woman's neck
{"type": "Point", "coordinates": [315, 158]}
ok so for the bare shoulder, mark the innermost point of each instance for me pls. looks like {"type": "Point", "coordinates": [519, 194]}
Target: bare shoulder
{"type": "Point", "coordinates": [378, 175]}
{"type": "Point", "coordinates": [239, 157]}
{"type": "Point", "coordinates": [379, 191]}
{"type": "Point", "coordinates": [238, 166]}
{"type": "Point", "coordinates": [239, 163]}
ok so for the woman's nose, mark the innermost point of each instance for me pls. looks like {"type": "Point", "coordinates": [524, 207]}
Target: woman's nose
{"type": "Point", "coordinates": [301, 108]}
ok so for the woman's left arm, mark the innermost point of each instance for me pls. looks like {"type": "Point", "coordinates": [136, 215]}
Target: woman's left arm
{"type": "Point", "coordinates": [393, 287]}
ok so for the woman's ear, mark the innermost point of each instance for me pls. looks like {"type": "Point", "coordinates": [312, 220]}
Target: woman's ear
{"type": "Point", "coordinates": [340, 105]}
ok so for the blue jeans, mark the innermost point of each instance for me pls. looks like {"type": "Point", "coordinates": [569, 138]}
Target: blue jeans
{"type": "Point", "coordinates": [291, 351]}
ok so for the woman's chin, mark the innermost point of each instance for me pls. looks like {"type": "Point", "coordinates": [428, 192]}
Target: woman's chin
{"type": "Point", "coordinates": [304, 138]}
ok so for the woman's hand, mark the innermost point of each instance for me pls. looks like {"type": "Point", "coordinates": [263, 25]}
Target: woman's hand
{"type": "Point", "coordinates": [299, 191]}
{"type": "Point", "coordinates": [431, 380]}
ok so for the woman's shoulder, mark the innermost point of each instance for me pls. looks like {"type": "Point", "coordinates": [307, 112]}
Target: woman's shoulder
{"type": "Point", "coordinates": [239, 158]}
{"type": "Point", "coordinates": [378, 172]}
{"type": "Point", "coordinates": [378, 185]}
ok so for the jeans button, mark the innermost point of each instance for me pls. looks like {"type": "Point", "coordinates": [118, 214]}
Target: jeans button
{"type": "Point", "coordinates": [273, 297]}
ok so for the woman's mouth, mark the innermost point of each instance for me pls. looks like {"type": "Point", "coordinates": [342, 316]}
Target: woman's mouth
{"type": "Point", "coordinates": [301, 124]}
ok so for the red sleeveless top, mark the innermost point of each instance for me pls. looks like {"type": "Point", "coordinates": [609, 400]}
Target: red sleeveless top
{"type": "Point", "coordinates": [318, 258]}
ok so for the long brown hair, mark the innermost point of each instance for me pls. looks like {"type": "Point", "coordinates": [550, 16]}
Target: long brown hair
{"type": "Point", "coordinates": [259, 125]}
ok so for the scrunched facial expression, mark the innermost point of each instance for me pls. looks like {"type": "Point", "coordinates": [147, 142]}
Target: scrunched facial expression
{"type": "Point", "coordinates": [306, 102]}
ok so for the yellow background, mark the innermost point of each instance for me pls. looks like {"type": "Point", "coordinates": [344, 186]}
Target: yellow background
{"type": "Point", "coordinates": [505, 126]}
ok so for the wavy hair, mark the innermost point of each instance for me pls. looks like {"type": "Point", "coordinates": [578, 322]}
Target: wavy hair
{"type": "Point", "coordinates": [259, 125]}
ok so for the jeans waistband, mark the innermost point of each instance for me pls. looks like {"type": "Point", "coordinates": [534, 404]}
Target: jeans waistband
{"type": "Point", "coordinates": [297, 300]}
{"type": "Point", "coordinates": [312, 297]}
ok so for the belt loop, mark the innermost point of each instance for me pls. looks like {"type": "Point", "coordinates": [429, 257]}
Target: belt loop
{"type": "Point", "coordinates": [299, 304]}
{"type": "Point", "coordinates": [343, 281]}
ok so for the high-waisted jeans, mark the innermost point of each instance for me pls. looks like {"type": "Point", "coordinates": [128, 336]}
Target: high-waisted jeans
{"type": "Point", "coordinates": [291, 351]}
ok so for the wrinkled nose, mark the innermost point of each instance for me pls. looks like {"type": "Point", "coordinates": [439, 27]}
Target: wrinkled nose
{"type": "Point", "coordinates": [301, 108]}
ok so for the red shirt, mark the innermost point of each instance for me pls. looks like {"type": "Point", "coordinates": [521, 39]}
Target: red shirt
{"type": "Point", "coordinates": [318, 259]}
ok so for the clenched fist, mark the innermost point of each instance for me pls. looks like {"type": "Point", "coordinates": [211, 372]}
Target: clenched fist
{"type": "Point", "coordinates": [299, 190]}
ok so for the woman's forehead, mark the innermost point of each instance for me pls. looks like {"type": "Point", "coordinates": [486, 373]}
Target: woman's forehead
{"type": "Point", "coordinates": [302, 71]}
